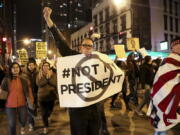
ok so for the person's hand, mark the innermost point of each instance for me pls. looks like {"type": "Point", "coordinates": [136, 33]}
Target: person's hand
{"type": "Point", "coordinates": [47, 13]}
{"type": "Point", "coordinates": [49, 74]}
{"type": "Point", "coordinates": [40, 74]}
{"type": "Point", "coordinates": [47, 16]}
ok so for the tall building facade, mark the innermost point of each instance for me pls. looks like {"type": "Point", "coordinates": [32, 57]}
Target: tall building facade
{"type": "Point", "coordinates": [152, 21]}
{"type": "Point", "coordinates": [165, 22]}
{"type": "Point", "coordinates": [70, 14]}
{"type": "Point", "coordinates": [5, 30]}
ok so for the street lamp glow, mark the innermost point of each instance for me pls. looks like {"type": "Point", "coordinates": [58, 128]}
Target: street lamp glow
{"type": "Point", "coordinates": [26, 41]}
{"type": "Point", "coordinates": [49, 52]}
{"type": "Point", "coordinates": [120, 3]}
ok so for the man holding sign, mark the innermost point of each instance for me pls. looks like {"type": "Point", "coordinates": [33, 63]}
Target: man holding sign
{"type": "Point", "coordinates": [84, 120]}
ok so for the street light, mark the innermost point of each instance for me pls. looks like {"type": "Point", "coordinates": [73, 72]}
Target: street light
{"type": "Point", "coordinates": [26, 41]}
{"type": "Point", "coordinates": [120, 3]}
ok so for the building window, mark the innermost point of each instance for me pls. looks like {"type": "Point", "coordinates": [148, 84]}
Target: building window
{"type": "Point", "coordinates": [101, 46]}
{"type": "Point", "coordinates": [115, 28]}
{"type": "Point", "coordinates": [176, 8]}
{"type": "Point", "coordinates": [165, 5]}
{"type": "Point", "coordinates": [107, 13]}
{"type": "Point", "coordinates": [171, 38]}
{"type": "Point", "coordinates": [171, 23]}
{"type": "Point", "coordinates": [165, 22]}
{"type": "Point", "coordinates": [107, 28]}
{"type": "Point", "coordinates": [170, 6]}
{"type": "Point", "coordinates": [96, 30]}
{"type": "Point", "coordinates": [101, 29]}
{"type": "Point", "coordinates": [114, 11]}
{"type": "Point", "coordinates": [123, 22]}
{"type": "Point", "coordinates": [165, 36]}
{"type": "Point", "coordinates": [100, 17]}
{"type": "Point", "coordinates": [177, 25]}
{"type": "Point", "coordinates": [95, 20]}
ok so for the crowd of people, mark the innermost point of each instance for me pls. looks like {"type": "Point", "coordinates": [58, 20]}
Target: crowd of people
{"type": "Point", "coordinates": [36, 85]}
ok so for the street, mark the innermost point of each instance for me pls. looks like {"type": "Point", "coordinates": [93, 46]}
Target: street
{"type": "Point", "coordinates": [119, 121]}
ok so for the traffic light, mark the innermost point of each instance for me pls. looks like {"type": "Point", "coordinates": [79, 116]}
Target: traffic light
{"type": "Point", "coordinates": [120, 34]}
{"type": "Point", "coordinates": [91, 30]}
{"type": "Point", "coordinates": [4, 39]}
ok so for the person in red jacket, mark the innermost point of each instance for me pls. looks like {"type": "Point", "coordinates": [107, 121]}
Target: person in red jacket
{"type": "Point", "coordinates": [18, 90]}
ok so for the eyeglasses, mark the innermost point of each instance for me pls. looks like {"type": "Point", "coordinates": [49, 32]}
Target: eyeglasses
{"type": "Point", "coordinates": [86, 45]}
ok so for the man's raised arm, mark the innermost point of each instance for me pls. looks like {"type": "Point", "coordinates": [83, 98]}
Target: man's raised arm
{"type": "Point", "coordinates": [60, 40]}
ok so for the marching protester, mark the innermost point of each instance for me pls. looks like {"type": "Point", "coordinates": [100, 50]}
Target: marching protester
{"type": "Point", "coordinates": [164, 108]}
{"type": "Point", "coordinates": [132, 73]}
{"type": "Point", "coordinates": [85, 120]}
{"type": "Point", "coordinates": [146, 70]}
{"type": "Point", "coordinates": [19, 91]}
{"type": "Point", "coordinates": [47, 87]}
{"type": "Point", "coordinates": [31, 74]}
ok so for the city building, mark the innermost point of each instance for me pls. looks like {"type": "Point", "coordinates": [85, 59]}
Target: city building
{"type": "Point", "coordinates": [152, 21]}
{"type": "Point", "coordinates": [5, 30]}
{"type": "Point", "coordinates": [165, 22]}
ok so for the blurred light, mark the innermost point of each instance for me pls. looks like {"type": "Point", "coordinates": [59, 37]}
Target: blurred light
{"type": "Point", "coordinates": [4, 39]}
{"type": "Point", "coordinates": [91, 28]}
{"type": "Point", "coordinates": [120, 3]}
{"type": "Point", "coordinates": [49, 52]}
{"type": "Point", "coordinates": [13, 57]}
{"type": "Point", "coordinates": [26, 41]}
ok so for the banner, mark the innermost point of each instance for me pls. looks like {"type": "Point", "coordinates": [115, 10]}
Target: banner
{"type": "Point", "coordinates": [133, 44]}
{"type": "Point", "coordinates": [87, 79]}
{"type": "Point", "coordinates": [23, 56]}
{"type": "Point", "coordinates": [120, 51]}
{"type": "Point", "coordinates": [41, 50]}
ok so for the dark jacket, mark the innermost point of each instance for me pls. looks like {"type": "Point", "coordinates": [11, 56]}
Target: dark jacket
{"type": "Point", "coordinates": [61, 42]}
{"type": "Point", "coordinates": [146, 74]}
{"type": "Point", "coordinates": [32, 77]}
{"type": "Point", "coordinates": [47, 88]}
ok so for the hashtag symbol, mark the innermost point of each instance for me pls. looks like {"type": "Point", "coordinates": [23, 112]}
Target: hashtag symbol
{"type": "Point", "coordinates": [66, 73]}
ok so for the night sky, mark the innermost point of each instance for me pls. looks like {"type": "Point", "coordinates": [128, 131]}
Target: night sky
{"type": "Point", "coordinates": [28, 19]}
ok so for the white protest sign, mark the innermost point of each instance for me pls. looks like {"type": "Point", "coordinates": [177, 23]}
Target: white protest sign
{"type": "Point", "coordinates": [86, 80]}
{"type": "Point", "coordinates": [143, 52]}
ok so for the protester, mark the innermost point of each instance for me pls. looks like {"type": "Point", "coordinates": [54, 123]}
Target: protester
{"type": "Point", "coordinates": [47, 87]}
{"type": "Point", "coordinates": [132, 75]}
{"type": "Point", "coordinates": [146, 70]}
{"type": "Point", "coordinates": [31, 74]}
{"type": "Point", "coordinates": [18, 90]}
{"type": "Point", "coordinates": [165, 94]}
{"type": "Point", "coordinates": [86, 120]}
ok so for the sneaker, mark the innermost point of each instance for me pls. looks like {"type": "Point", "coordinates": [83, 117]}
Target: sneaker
{"type": "Point", "coordinates": [31, 128]}
{"type": "Point", "coordinates": [22, 131]}
{"type": "Point", "coordinates": [45, 130]}
{"type": "Point", "coordinates": [139, 113]}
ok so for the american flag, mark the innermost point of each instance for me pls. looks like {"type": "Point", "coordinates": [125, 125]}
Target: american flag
{"type": "Point", "coordinates": [165, 95]}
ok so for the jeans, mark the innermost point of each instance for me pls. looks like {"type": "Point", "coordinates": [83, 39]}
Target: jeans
{"type": "Point", "coordinates": [12, 114]}
{"type": "Point", "coordinates": [146, 97]}
{"type": "Point", "coordinates": [160, 133]}
{"type": "Point", "coordinates": [46, 110]}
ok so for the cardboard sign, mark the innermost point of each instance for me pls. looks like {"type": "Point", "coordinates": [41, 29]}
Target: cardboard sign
{"type": "Point", "coordinates": [87, 80]}
{"type": "Point", "coordinates": [120, 51]}
{"type": "Point", "coordinates": [133, 44]}
{"type": "Point", "coordinates": [23, 56]}
{"type": "Point", "coordinates": [143, 52]}
{"type": "Point", "coordinates": [41, 50]}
